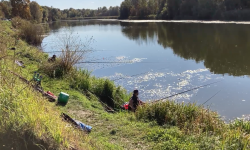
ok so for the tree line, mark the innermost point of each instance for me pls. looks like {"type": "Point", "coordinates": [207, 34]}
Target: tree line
{"type": "Point", "coordinates": [186, 9]}
{"type": "Point", "coordinates": [134, 9]}
{"type": "Point", "coordinates": [33, 11]}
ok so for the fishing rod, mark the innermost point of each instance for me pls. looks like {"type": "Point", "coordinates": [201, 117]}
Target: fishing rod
{"type": "Point", "coordinates": [110, 109]}
{"type": "Point", "coordinates": [137, 74]}
{"type": "Point", "coordinates": [112, 62]}
{"type": "Point", "coordinates": [211, 98]}
{"type": "Point", "coordinates": [187, 91]}
{"type": "Point", "coordinates": [70, 51]}
{"type": "Point", "coordinates": [103, 62]}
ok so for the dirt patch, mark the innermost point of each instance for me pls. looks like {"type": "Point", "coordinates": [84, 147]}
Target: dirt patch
{"type": "Point", "coordinates": [81, 113]}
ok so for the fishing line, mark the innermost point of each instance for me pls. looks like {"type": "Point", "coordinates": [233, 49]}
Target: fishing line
{"type": "Point", "coordinates": [103, 62]}
{"type": "Point", "coordinates": [69, 51]}
{"type": "Point", "coordinates": [211, 97]}
{"type": "Point", "coordinates": [138, 74]}
{"type": "Point", "coordinates": [112, 62]}
{"type": "Point", "coordinates": [187, 91]}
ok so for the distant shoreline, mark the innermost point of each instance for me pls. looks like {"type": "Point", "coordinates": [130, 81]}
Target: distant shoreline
{"type": "Point", "coordinates": [189, 21]}
{"type": "Point", "coordinates": [170, 21]}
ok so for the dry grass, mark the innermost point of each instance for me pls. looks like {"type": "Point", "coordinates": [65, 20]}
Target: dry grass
{"type": "Point", "coordinates": [73, 49]}
{"type": "Point", "coordinates": [5, 39]}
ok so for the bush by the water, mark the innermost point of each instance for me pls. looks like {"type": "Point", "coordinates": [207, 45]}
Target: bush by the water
{"type": "Point", "coordinates": [188, 126]}
{"type": "Point", "coordinates": [189, 117]}
{"type": "Point", "coordinates": [104, 89]}
{"type": "Point", "coordinates": [31, 33]}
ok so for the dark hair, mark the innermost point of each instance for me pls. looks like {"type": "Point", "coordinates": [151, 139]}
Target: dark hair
{"type": "Point", "coordinates": [136, 91]}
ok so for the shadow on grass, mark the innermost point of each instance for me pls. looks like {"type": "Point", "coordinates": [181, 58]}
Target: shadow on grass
{"type": "Point", "coordinates": [11, 140]}
{"type": "Point", "coordinates": [61, 104]}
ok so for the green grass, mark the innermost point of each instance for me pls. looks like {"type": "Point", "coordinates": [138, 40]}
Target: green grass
{"type": "Point", "coordinates": [30, 120]}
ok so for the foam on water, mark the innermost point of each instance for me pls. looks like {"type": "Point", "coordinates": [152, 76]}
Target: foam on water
{"type": "Point", "coordinates": [156, 85]}
{"type": "Point", "coordinates": [110, 62]}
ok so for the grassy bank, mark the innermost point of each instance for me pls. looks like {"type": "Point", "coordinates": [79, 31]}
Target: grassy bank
{"type": "Point", "coordinates": [31, 121]}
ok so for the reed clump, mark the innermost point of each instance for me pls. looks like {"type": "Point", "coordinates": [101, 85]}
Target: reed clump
{"type": "Point", "coordinates": [188, 117]}
{"type": "Point", "coordinates": [104, 89]}
{"type": "Point", "coordinates": [188, 126]}
{"type": "Point", "coordinates": [53, 70]}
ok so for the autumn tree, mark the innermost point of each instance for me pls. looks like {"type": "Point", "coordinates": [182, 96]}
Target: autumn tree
{"type": "Point", "coordinates": [21, 8]}
{"type": "Point", "coordinates": [5, 8]}
{"type": "Point", "coordinates": [1, 13]}
{"type": "Point", "coordinates": [36, 12]}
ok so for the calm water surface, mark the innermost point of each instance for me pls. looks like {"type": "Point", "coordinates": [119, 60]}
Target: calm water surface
{"type": "Point", "coordinates": [168, 58]}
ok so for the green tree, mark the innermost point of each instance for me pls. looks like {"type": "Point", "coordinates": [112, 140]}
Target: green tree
{"type": "Point", "coordinates": [125, 9]}
{"type": "Point", "coordinates": [151, 7]}
{"type": "Point", "coordinates": [173, 7]}
{"type": "Point", "coordinates": [45, 14]}
{"type": "Point", "coordinates": [5, 7]}
{"type": "Point", "coordinates": [54, 14]}
{"type": "Point", "coordinates": [36, 12]}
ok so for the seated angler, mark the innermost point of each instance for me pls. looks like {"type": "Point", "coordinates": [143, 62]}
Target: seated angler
{"type": "Point", "coordinates": [134, 101]}
{"type": "Point", "coordinates": [52, 59]}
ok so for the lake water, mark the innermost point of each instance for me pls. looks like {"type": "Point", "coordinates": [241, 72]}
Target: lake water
{"type": "Point", "coordinates": [162, 59]}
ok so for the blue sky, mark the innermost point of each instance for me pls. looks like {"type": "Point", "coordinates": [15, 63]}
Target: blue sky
{"type": "Point", "coordinates": [92, 4]}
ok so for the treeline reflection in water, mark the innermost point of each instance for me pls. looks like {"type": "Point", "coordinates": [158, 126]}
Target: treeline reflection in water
{"type": "Point", "coordinates": [224, 48]}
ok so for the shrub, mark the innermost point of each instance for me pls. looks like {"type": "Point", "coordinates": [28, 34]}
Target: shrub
{"type": "Point", "coordinates": [241, 124]}
{"type": "Point", "coordinates": [80, 79]}
{"type": "Point", "coordinates": [104, 89]}
{"type": "Point", "coordinates": [31, 33]}
{"type": "Point", "coordinates": [73, 50]}
{"type": "Point", "coordinates": [53, 70]}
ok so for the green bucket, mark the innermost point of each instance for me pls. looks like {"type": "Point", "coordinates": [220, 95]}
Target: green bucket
{"type": "Point", "coordinates": [63, 98]}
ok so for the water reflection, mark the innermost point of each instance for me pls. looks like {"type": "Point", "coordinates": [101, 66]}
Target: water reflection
{"type": "Point", "coordinates": [224, 48]}
{"type": "Point", "coordinates": [55, 26]}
